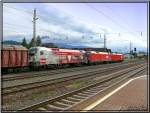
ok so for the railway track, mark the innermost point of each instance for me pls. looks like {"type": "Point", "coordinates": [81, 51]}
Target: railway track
{"type": "Point", "coordinates": [69, 100]}
{"type": "Point", "coordinates": [52, 72]}
{"type": "Point", "coordinates": [28, 70]}
{"type": "Point", "coordinates": [38, 84]}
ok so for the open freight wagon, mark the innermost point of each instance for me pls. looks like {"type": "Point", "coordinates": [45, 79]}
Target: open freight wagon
{"type": "Point", "coordinates": [13, 56]}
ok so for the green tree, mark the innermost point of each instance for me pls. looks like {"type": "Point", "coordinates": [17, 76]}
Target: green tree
{"type": "Point", "coordinates": [32, 43]}
{"type": "Point", "coordinates": [38, 41]}
{"type": "Point", "coordinates": [24, 43]}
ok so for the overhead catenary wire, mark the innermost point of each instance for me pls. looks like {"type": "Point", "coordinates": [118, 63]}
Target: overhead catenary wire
{"type": "Point", "coordinates": [19, 9]}
{"type": "Point", "coordinates": [38, 15]}
{"type": "Point", "coordinates": [122, 18]}
{"type": "Point", "coordinates": [20, 26]}
{"type": "Point", "coordinates": [13, 28]}
{"type": "Point", "coordinates": [23, 26]}
{"type": "Point", "coordinates": [10, 25]}
{"type": "Point", "coordinates": [108, 17]}
{"type": "Point", "coordinates": [91, 35]}
{"type": "Point", "coordinates": [41, 16]}
{"type": "Point", "coordinates": [27, 11]}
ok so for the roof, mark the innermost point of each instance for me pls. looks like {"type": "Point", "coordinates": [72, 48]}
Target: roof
{"type": "Point", "coordinates": [95, 49]}
{"type": "Point", "coordinates": [13, 47]}
{"type": "Point", "coordinates": [42, 48]}
{"type": "Point", "coordinates": [65, 50]}
{"type": "Point", "coordinates": [117, 53]}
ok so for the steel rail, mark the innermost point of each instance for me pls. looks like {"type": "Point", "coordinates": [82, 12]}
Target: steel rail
{"type": "Point", "coordinates": [59, 103]}
{"type": "Point", "coordinates": [52, 72]}
{"type": "Point", "coordinates": [27, 70]}
{"type": "Point", "coordinates": [29, 86]}
{"type": "Point", "coordinates": [48, 74]}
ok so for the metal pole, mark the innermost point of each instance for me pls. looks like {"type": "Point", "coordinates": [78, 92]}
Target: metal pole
{"type": "Point", "coordinates": [104, 41]}
{"type": "Point", "coordinates": [130, 48]}
{"type": "Point", "coordinates": [34, 27]}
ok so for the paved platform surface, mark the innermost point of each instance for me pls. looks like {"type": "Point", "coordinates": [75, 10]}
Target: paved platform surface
{"type": "Point", "coordinates": [132, 96]}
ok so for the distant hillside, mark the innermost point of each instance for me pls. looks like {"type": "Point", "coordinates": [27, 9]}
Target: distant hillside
{"type": "Point", "coordinates": [54, 45]}
{"type": "Point", "coordinates": [49, 45]}
{"type": "Point", "coordinates": [11, 42]}
{"type": "Point", "coordinates": [69, 46]}
{"type": "Point", "coordinates": [60, 44]}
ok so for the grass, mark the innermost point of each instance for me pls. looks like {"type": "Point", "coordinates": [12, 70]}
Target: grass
{"type": "Point", "coordinates": [43, 94]}
{"type": "Point", "coordinates": [78, 84]}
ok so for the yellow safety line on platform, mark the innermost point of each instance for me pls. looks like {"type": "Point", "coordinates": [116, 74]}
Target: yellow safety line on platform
{"type": "Point", "coordinates": [108, 95]}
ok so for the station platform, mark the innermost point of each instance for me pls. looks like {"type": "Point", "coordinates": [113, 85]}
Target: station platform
{"type": "Point", "coordinates": [130, 96]}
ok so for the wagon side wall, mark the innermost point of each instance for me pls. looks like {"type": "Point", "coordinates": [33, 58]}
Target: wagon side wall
{"type": "Point", "coordinates": [4, 58]}
{"type": "Point", "coordinates": [14, 58]}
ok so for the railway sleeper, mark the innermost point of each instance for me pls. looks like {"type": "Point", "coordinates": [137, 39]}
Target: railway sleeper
{"type": "Point", "coordinates": [62, 104]}
{"type": "Point", "coordinates": [99, 89]}
{"type": "Point", "coordinates": [82, 94]}
{"type": "Point", "coordinates": [73, 99]}
{"type": "Point", "coordinates": [53, 107]}
{"type": "Point", "coordinates": [88, 93]}
{"type": "Point", "coordinates": [96, 89]}
{"type": "Point", "coordinates": [68, 102]}
{"type": "Point", "coordinates": [92, 91]}
{"type": "Point", "coordinates": [41, 109]}
{"type": "Point", "coordinates": [80, 97]}
{"type": "Point", "coordinates": [102, 86]}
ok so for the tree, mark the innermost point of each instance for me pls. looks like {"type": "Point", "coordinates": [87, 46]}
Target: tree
{"type": "Point", "coordinates": [32, 43]}
{"type": "Point", "coordinates": [24, 43]}
{"type": "Point", "coordinates": [38, 41]}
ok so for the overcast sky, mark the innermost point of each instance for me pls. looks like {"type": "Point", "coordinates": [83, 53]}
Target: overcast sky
{"type": "Point", "coordinates": [79, 23]}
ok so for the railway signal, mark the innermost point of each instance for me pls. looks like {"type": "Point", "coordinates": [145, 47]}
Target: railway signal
{"type": "Point", "coordinates": [135, 49]}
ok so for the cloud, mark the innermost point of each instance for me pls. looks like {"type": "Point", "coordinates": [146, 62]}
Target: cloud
{"type": "Point", "coordinates": [66, 22]}
{"type": "Point", "coordinates": [16, 22]}
{"type": "Point", "coordinates": [60, 27]}
{"type": "Point", "coordinates": [56, 22]}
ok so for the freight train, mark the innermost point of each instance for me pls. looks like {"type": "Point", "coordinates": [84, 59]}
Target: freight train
{"type": "Point", "coordinates": [14, 57]}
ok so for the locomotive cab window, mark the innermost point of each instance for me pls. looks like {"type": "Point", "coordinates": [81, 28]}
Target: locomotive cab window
{"type": "Point", "coordinates": [41, 52]}
{"type": "Point", "coordinates": [32, 51]}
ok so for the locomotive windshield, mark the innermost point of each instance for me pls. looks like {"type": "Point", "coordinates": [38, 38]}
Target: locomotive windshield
{"type": "Point", "coordinates": [32, 51]}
